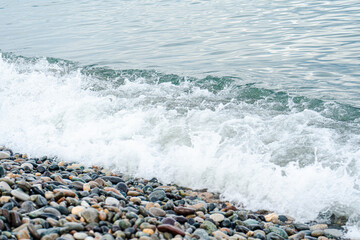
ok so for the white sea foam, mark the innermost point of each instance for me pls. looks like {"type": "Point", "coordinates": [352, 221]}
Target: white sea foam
{"type": "Point", "coordinates": [294, 162]}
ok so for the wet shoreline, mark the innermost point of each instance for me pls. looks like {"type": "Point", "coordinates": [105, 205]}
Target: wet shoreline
{"type": "Point", "coordinates": [44, 198]}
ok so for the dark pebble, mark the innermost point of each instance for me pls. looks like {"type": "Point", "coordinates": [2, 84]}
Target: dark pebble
{"type": "Point", "coordinates": [36, 190]}
{"type": "Point", "coordinates": [242, 229]}
{"type": "Point", "coordinates": [112, 179]}
{"type": "Point", "coordinates": [283, 218]}
{"type": "Point", "coordinates": [8, 206]}
{"type": "Point", "coordinates": [2, 171]}
{"type": "Point", "coordinates": [273, 236]}
{"type": "Point", "coordinates": [15, 219]}
{"type": "Point", "coordinates": [41, 169]}
{"type": "Point", "coordinates": [41, 201]}
{"type": "Point", "coordinates": [170, 221]}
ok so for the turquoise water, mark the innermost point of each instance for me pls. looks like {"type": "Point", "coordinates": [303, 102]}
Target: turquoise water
{"type": "Point", "coordinates": [306, 47]}
{"type": "Point", "coordinates": [256, 100]}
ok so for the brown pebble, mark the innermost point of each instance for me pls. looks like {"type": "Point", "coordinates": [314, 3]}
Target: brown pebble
{"type": "Point", "coordinates": [171, 229]}
{"type": "Point", "coordinates": [184, 210]}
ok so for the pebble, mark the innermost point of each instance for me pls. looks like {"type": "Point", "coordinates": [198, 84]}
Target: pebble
{"type": "Point", "coordinates": [20, 195]}
{"type": "Point", "coordinates": [5, 186]}
{"type": "Point", "coordinates": [157, 212]}
{"type": "Point", "coordinates": [77, 210]}
{"type": "Point", "coordinates": [46, 199]}
{"type": "Point", "coordinates": [217, 217]}
{"type": "Point", "coordinates": [171, 229]}
{"type": "Point", "coordinates": [80, 235]}
{"type": "Point", "coordinates": [90, 215]}
{"type": "Point", "coordinates": [111, 201]}
{"type": "Point", "coordinates": [4, 154]}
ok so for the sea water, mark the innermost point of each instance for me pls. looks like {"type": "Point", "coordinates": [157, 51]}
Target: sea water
{"type": "Point", "coordinates": [256, 100]}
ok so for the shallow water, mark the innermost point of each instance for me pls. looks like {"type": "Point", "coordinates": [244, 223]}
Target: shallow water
{"type": "Point", "coordinates": [256, 100]}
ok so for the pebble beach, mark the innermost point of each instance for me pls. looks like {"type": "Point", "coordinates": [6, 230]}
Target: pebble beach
{"type": "Point", "coordinates": [48, 199]}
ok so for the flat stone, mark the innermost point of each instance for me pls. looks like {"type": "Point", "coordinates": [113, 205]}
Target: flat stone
{"type": "Point", "coordinates": [23, 234]}
{"type": "Point", "coordinates": [113, 179]}
{"type": "Point", "coordinates": [67, 236]}
{"type": "Point", "coordinates": [52, 211]}
{"type": "Point", "coordinates": [80, 235]}
{"type": "Point", "coordinates": [208, 226]}
{"type": "Point", "coordinates": [74, 226]}
{"type": "Point", "coordinates": [201, 234]}
{"type": "Point", "coordinates": [184, 210]}
{"type": "Point", "coordinates": [217, 217]}
{"type": "Point", "coordinates": [90, 215]}
{"type": "Point", "coordinates": [77, 210]}
{"type": "Point", "coordinates": [15, 219]}
{"type": "Point", "coordinates": [20, 195]}
{"type": "Point", "coordinates": [5, 186]}
{"type": "Point", "coordinates": [168, 220]}
{"type": "Point", "coordinates": [157, 212]}
{"type": "Point", "coordinates": [51, 236]}
{"type": "Point", "coordinates": [66, 192]}
{"type": "Point", "coordinates": [5, 199]}
{"type": "Point", "coordinates": [157, 195]}
{"type": "Point", "coordinates": [28, 206]}
{"type": "Point", "coordinates": [333, 233]}
{"type": "Point", "coordinates": [317, 233]}
{"type": "Point", "coordinates": [318, 227]}
{"type": "Point", "coordinates": [4, 154]}
{"type": "Point", "coordinates": [122, 187]}
{"type": "Point", "coordinates": [220, 235]}
{"type": "Point", "coordinates": [133, 193]}
{"type": "Point", "coordinates": [41, 201]}
{"type": "Point", "coordinates": [170, 229]}
{"type": "Point", "coordinates": [135, 200]}
{"type": "Point", "coordinates": [278, 231]}
{"type": "Point", "coordinates": [111, 201]}
{"type": "Point", "coordinates": [33, 231]}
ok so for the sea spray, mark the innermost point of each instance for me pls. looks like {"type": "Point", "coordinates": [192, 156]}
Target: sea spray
{"type": "Point", "coordinates": [258, 147]}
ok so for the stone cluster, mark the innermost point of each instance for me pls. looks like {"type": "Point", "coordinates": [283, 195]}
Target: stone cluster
{"type": "Point", "coordinates": [45, 199]}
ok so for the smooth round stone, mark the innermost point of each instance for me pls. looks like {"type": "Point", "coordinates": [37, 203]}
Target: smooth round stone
{"type": "Point", "coordinates": [317, 233]}
{"type": "Point", "coordinates": [4, 154]}
{"type": "Point", "coordinates": [201, 234]}
{"type": "Point", "coordinates": [113, 179]}
{"type": "Point", "coordinates": [29, 165]}
{"type": "Point", "coordinates": [52, 211]}
{"type": "Point", "coordinates": [122, 187]}
{"type": "Point", "coordinates": [168, 220]}
{"type": "Point", "coordinates": [80, 235]}
{"type": "Point", "coordinates": [278, 231]}
{"type": "Point", "coordinates": [124, 224]}
{"type": "Point", "coordinates": [157, 195]}
{"type": "Point", "coordinates": [111, 201]}
{"type": "Point", "coordinates": [20, 195]}
{"type": "Point", "coordinates": [41, 169]}
{"type": "Point", "coordinates": [28, 206]}
{"type": "Point", "coordinates": [208, 226]}
{"type": "Point", "coordinates": [157, 212]}
{"type": "Point", "coordinates": [333, 233]}
{"type": "Point", "coordinates": [15, 219]}
{"type": "Point", "coordinates": [171, 229]}
{"type": "Point", "coordinates": [90, 215]}
{"type": "Point", "coordinates": [5, 186]}
{"type": "Point", "coordinates": [135, 200]}
{"type": "Point", "coordinates": [77, 210]}
{"type": "Point", "coordinates": [318, 227]}
{"type": "Point", "coordinates": [41, 201]}
{"type": "Point", "coordinates": [74, 226]}
{"type": "Point", "coordinates": [220, 235]}
{"type": "Point", "coordinates": [217, 217]}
